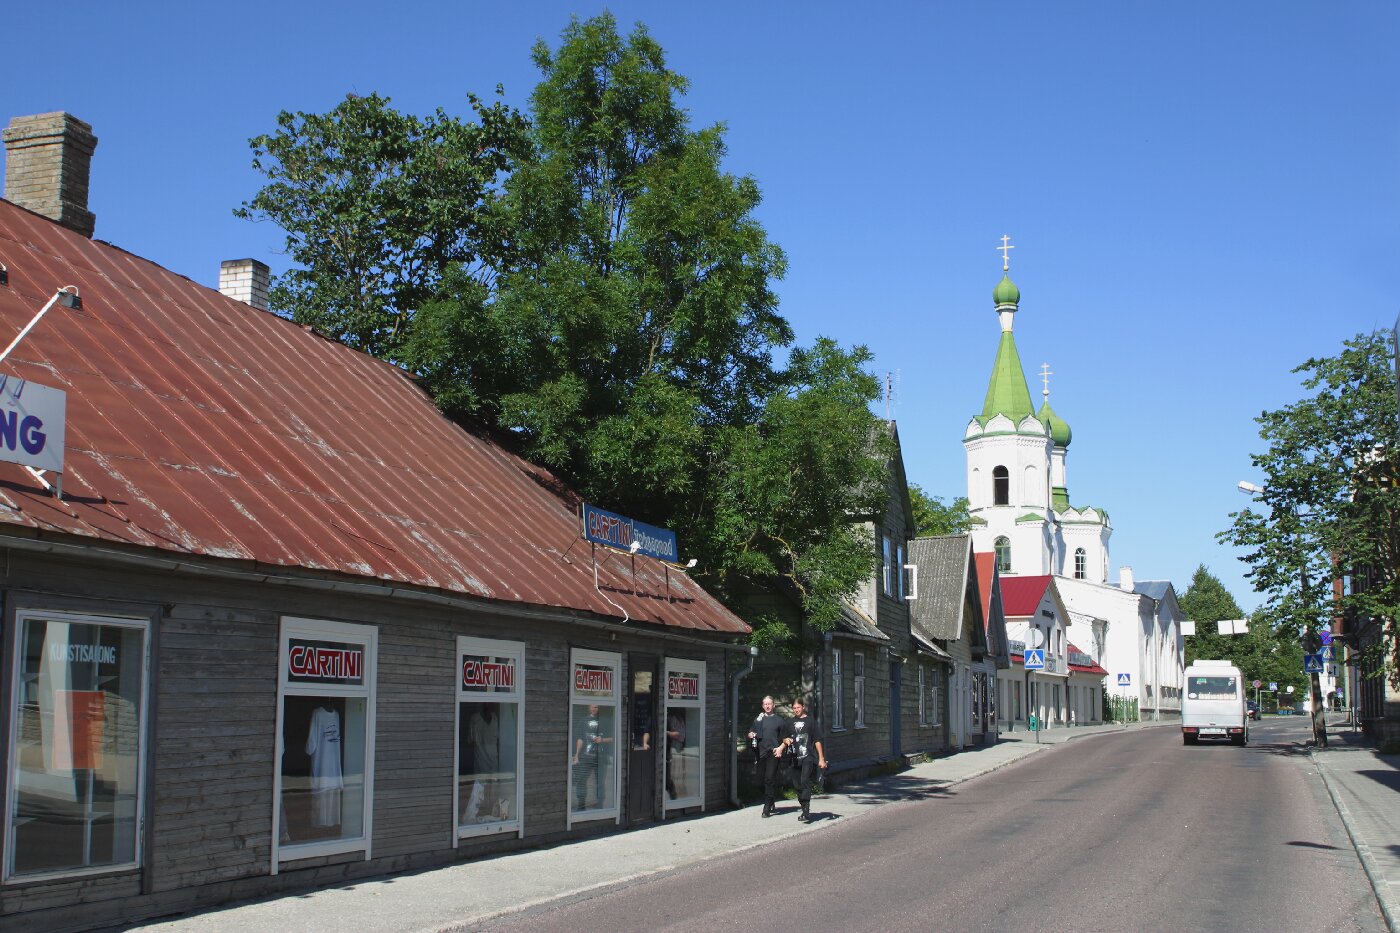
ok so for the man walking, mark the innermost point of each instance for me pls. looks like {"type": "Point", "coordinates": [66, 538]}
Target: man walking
{"type": "Point", "coordinates": [810, 757]}
{"type": "Point", "coordinates": [773, 736]}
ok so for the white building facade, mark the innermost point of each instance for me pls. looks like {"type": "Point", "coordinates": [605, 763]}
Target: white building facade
{"type": "Point", "coordinates": [1018, 497]}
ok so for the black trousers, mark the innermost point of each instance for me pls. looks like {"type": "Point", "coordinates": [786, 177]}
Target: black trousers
{"type": "Point", "coordinates": [772, 768]}
{"type": "Point", "coordinates": [804, 774]}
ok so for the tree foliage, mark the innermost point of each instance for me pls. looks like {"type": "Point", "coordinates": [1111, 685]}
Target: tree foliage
{"type": "Point", "coordinates": [932, 516]}
{"type": "Point", "coordinates": [602, 294]}
{"type": "Point", "coordinates": [1260, 654]}
{"type": "Point", "coordinates": [377, 207]}
{"type": "Point", "coordinates": [1330, 508]}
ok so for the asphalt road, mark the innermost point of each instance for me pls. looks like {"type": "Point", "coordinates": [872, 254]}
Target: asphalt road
{"type": "Point", "coordinates": [1126, 831]}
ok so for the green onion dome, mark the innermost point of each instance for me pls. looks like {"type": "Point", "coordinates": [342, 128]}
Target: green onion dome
{"type": "Point", "coordinates": [1006, 292]}
{"type": "Point", "coordinates": [1059, 430]}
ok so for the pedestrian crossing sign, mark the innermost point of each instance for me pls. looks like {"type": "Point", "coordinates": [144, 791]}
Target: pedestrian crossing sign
{"type": "Point", "coordinates": [1312, 664]}
{"type": "Point", "coordinates": [1125, 680]}
{"type": "Point", "coordinates": [1035, 659]}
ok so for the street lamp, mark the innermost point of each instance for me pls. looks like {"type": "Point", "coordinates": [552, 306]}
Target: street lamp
{"type": "Point", "coordinates": [1312, 643]}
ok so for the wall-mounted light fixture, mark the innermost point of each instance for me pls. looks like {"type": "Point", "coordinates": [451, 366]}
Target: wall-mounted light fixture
{"type": "Point", "coordinates": [4, 274]}
{"type": "Point", "coordinates": [69, 298]}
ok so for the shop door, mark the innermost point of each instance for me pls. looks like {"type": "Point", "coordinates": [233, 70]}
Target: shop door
{"type": "Point", "coordinates": [641, 761]}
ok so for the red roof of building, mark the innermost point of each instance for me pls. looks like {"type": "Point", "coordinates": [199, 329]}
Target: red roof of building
{"type": "Point", "coordinates": [198, 425]}
{"type": "Point", "coordinates": [986, 567]}
{"type": "Point", "coordinates": [1021, 596]}
{"type": "Point", "coordinates": [1090, 668]}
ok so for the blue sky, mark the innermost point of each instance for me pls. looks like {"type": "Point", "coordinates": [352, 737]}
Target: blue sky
{"type": "Point", "coordinates": [1201, 196]}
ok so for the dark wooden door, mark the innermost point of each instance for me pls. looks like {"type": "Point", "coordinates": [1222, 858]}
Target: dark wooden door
{"type": "Point", "coordinates": [645, 736]}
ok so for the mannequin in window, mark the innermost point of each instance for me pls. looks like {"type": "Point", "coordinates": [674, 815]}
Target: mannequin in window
{"type": "Point", "coordinates": [484, 734]}
{"type": "Point", "coordinates": [323, 747]}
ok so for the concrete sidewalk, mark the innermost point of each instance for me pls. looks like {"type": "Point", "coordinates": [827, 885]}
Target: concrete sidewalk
{"type": "Point", "coordinates": [1365, 786]}
{"type": "Point", "coordinates": [465, 896]}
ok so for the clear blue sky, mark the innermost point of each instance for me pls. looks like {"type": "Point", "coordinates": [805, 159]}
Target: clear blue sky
{"type": "Point", "coordinates": [1201, 196]}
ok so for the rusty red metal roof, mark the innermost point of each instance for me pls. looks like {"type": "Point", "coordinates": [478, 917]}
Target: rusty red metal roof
{"type": "Point", "coordinates": [199, 425]}
{"type": "Point", "coordinates": [1020, 596]}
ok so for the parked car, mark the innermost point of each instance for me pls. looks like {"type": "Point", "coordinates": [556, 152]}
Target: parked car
{"type": "Point", "coordinates": [1253, 709]}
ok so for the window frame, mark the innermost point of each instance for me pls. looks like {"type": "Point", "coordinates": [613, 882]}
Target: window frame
{"type": "Point", "coordinates": [684, 666]}
{"type": "Point", "coordinates": [14, 645]}
{"type": "Point", "coordinates": [590, 656]}
{"type": "Point", "coordinates": [899, 569]}
{"type": "Point", "coordinates": [1081, 564]}
{"type": "Point", "coordinates": [888, 565]}
{"type": "Point", "coordinates": [1001, 547]}
{"type": "Point", "coordinates": [1001, 485]}
{"type": "Point", "coordinates": [923, 698]}
{"type": "Point", "coordinates": [838, 706]}
{"type": "Point", "coordinates": [858, 688]}
{"type": "Point", "coordinates": [515, 650]}
{"type": "Point", "coordinates": [367, 636]}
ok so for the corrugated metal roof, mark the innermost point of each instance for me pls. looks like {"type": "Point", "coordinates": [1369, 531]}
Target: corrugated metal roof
{"type": "Point", "coordinates": [199, 425]}
{"type": "Point", "coordinates": [1020, 596]}
{"type": "Point", "coordinates": [943, 578]}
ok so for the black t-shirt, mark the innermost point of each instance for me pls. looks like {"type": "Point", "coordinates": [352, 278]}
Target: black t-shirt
{"type": "Point", "coordinates": [771, 729]}
{"type": "Point", "coordinates": [804, 737]}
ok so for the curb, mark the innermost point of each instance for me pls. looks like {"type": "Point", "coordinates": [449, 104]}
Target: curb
{"type": "Point", "coordinates": [1389, 911]}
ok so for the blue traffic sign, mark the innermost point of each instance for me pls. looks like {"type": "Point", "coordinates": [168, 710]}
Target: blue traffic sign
{"type": "Point", "coordinates": [1273, 685]}
{"type": "Point", "coordinates": [1326, 636]}
{"type": "Point", "coordinates": [1035, 659]}
{"type": "Point", "coordinates": [1312, 664]}
{"type": "Point", "coordinates": [1326, 653]}
{"type": "Point", "coordinates": [1125, 680]}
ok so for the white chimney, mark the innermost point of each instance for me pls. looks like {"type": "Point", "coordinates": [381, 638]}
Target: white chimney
{"type": "Point", "coordinates": [245, 280]}
{"type": "Point", "coordinates": [1125, 579]}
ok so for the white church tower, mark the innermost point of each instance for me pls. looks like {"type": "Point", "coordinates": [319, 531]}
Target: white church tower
{"type": "Point", "coordinates": [1016, 487]}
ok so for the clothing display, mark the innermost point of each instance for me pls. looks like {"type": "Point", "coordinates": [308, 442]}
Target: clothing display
{"type": "Point", "coordinates": [323, 746]}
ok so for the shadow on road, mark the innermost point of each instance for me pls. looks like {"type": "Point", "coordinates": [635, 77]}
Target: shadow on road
{"type": "Point", "coordinates": [901, 788]}
{"type": "Point", "coordinates": [1311, 845]}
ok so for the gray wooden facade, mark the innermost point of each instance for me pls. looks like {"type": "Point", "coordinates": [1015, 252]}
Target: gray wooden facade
{"type": "Point", "coordinates": [213, 674]}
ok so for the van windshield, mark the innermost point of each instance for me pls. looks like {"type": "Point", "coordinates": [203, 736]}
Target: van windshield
{"type": "Point", "coordinates": [1210, 687]}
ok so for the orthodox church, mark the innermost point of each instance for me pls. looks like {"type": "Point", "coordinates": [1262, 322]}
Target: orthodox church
{"type": "Point", "coordinates": [1019, 501]}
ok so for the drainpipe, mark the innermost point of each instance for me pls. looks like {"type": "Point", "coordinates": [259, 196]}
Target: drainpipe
{"type": "Point", "coordinates": [734, 680]}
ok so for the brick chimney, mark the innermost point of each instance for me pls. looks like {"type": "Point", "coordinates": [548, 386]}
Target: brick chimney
{"type": "Point", "coordinates": [245, 280]}
{"type": "Point", "coordinates": [46, 167]}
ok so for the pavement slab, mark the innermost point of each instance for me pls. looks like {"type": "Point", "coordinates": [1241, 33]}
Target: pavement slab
{"type": "Point", "coordinates": [1365, 787]}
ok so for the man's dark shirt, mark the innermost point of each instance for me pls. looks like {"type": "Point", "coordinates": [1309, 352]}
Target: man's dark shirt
{"type": "Point", "coordinates": [771, 729]}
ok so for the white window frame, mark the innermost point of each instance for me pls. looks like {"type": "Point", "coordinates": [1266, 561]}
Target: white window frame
{"type": "Point", "coordinates": [685, 666]}
{"type": "Point", "coordinates": [597, 658]}
{"type": "Point", "coordinates": [935, 697]}
{"type": "Point", "coordinates": [22, 617]}
{"type": "Point", "coordinates": [366, 636]}
{"type": "Point", "coordinates": [888, 565]}
{"type": "Point", "coordinates": [858, 688]}
{"type": "Point", "coordinates": [515, 650]}
{"type": "Point", "coordinates": [838, 695]}
{"type": "Point", "coordinates": [899, 567]}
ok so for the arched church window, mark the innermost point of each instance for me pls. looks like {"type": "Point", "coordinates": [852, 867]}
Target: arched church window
{"type": "Point", "coordinates": [1081, 564]}
{"type": "Point", "coordinates": [1002, 546]}
{"type": "Point", "coordinates": [1001, 486]}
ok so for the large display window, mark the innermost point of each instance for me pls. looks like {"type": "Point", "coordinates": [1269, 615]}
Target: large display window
{"type": "Point", "coordinates": [77, 743]}
{"type": "Point", "coordinates": [490, 745]}
{"type": "Point", "coordinates": [685, 734]}
{"type": "Point", "coordinates": [324, 780]}
{"type": "Point", "coordinates": [593, 720]}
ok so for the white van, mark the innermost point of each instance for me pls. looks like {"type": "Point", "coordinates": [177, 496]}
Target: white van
{"type": "Point", "coordinates": [1212, 703]}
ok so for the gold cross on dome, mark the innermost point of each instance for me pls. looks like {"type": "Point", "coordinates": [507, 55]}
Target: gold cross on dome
{"type": "Point", "coordinates": [1005, 250]}
{"type": "Point", "coordinates": [1045, 375]}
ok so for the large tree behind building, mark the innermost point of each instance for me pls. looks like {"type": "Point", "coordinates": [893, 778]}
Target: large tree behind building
{"type": "Point", "coordinates": [1330, 508]}
{"type": "Point", "coordinates": [1260, 653]}
{"type": "Point", "coordinates": [612, 311]}
{"type": "Point", "coordinates": [933, 516]}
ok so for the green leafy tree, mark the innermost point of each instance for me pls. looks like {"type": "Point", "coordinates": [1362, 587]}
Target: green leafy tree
{"type": "Point", "coordinates": [932, 516]}
{"type": "Point", "coordinates": [606, 303]}
{"type": "Point", "coordinates": [377, 207]}
{"type": "Point", "coordinates": [1330, 506]}
{"type": "Point", "coordinates": [1260, 654]}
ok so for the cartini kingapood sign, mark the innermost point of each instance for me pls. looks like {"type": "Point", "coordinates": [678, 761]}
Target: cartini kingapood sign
{"type": "Point", "coordinates": [325, 662]}
{"type": "Point", "coordinates": [618, 531]}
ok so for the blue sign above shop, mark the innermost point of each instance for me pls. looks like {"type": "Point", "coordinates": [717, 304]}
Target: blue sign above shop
{"type": "Point", "coordinates": [617, 531]}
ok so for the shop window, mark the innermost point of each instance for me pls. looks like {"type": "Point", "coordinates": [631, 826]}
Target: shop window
{"type": "Point", "coordinates": [685, 733]}
{"type": "Point", "coordinates": [1001, 486]}
{"type": "Point", "coordinates": [858, 688]}
{"type": "Point", "coordinates": [490, 746]}
{"type": "Point", "coordinates": [593, 721]}
{"type": "Point", "coordinates": [838, 697]}
{"type": "Point", "coordinates": [325, 730]}
{"type": "Point", "coordinates": [77, 744]}
{"type": "Point", "coordinates": [1002, 546]}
